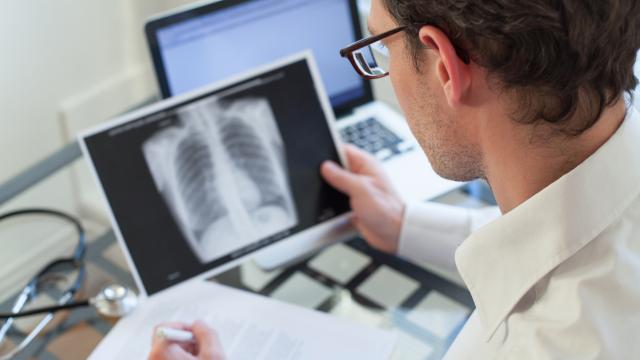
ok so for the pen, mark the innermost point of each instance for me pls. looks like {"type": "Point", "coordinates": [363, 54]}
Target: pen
{"type": "Point", "coordinates": [177, 335]}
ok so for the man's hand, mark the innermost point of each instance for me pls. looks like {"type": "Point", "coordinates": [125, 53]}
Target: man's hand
{"type": "Point", "coordinates": [377, 209]}
{"type": "Point", "coordinates": [206, 347]}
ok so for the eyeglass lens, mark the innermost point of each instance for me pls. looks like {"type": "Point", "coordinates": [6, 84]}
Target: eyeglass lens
{"type": "Point", "coordinates": [372, 60]}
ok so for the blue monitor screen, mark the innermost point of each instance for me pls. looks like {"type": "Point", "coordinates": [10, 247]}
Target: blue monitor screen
{"type": "Point", "coordinates": [231, 40]}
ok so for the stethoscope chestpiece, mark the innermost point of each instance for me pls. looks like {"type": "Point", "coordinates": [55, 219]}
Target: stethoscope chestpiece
{"type": "Point", "coordinates": [115, 301]}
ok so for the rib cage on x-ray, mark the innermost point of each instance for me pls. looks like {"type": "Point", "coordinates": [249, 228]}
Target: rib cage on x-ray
{"type": "Point", "coordinates": [222, 173]}
{"type": "Point", "coordinates": [249, 153]}
{"type": "Point", "coordinates": [195, 169]}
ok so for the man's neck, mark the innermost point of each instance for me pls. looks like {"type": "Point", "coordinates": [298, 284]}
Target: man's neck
{"type": "Point", "coordinates": [518, 167]}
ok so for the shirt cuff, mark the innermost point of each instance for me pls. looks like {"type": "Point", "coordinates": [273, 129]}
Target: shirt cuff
{"type": "Point", "coordinates": [431, 232]}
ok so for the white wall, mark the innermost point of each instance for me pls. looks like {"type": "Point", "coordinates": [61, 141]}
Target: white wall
{"type": "Point", "coordinates": [52, 51]}
{"type": "Point", "coordinates": [63, 64]}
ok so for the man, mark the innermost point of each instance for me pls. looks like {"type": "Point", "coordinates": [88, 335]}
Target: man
{"type": "Point", "coordinates": [529, 95]}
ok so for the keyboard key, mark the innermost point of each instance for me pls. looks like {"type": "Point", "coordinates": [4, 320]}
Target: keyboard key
{"type": "Point", "coordinates": [383, 154]}
{"type": "Point", "coordinates": [405, 146]}
{"type": "Point", "coordinates": [373, 137]}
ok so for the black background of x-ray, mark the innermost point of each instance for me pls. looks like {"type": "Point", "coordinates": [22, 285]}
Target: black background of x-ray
{"type": "Point", "coordinates": [154, 240]}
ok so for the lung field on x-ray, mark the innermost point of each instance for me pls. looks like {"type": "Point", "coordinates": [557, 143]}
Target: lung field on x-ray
{"type": "Point", "coordinates": [249, 154]}
{"type": "Point", "coordinates": [196, 182]}
{"type": "Point", "coordinates": [222, 172]}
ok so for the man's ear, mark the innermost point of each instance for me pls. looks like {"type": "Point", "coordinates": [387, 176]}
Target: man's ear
{"type": "Point", "coordinates": [453, 73]}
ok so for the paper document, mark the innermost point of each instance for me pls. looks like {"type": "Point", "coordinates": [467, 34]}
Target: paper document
{"type": "Point", "coordinates": [249, 326]}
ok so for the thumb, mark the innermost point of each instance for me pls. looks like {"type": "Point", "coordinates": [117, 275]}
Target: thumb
{"type": "Point", "coordinates": [341, 179]}
{"type": "Point", "coordinates": [360, 161]}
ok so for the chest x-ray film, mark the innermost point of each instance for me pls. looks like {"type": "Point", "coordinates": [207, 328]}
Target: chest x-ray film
{"type": "Point", "coordinates": [197, 182]}
{"type": "Point", "coordinates": [222, 170]}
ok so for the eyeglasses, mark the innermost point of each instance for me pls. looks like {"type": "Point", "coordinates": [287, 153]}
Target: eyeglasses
{"type": "Point", "coordinates": [368, 55]}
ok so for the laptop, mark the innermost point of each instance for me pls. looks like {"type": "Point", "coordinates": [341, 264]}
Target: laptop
{"type": "Point", "coordinates": [196, 45]}
{"type": "Point", "coordinates": [201, 181]}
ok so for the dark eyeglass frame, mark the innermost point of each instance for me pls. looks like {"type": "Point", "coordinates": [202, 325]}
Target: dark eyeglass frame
{"type": "Point", "coordinates": [350, 51]}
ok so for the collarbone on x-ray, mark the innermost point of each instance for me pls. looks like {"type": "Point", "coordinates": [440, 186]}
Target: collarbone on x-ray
{"type": "Point", "coordinates": [222, 171]}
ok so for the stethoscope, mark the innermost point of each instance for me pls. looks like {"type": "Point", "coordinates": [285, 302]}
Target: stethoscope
{"type": "Point", "coordinates": [113, 301]}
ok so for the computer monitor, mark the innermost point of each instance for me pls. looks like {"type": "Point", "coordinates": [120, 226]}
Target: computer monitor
{"type": "Point", "coordinates": [196, 46]}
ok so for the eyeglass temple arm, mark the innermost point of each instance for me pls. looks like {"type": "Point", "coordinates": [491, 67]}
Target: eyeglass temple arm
{"type": "Point", "coordinates": [368, 41]}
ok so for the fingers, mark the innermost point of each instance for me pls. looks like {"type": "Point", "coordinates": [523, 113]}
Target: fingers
{"type": "Point", "coordinates": [163, 349]}
{"type": "Point", "coordinates": [365, 164]}
{"type": "Point", "coordinates": [341, 179]}
{"type": "Point", "coordinates": [172, 325]}
{"type": "Point", "coordinates": [361, 165]}
{"type": "Point", "coordinates": [177, 352]}
{"type": "Point", "coordinates": [209, 346]}
{"type": "Point", "coordinates": [360, 161]}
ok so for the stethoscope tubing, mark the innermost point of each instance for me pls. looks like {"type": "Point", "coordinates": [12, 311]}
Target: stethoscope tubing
{"type": "Point", "coordinates": [30, 290]}
{"type": "Point", "coordinates": [44, 310]}
{"type": "Point", "coordinates": [32, 335]}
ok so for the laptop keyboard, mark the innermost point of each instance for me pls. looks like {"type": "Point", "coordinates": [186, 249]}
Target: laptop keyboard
{"type": "Point", "coordinates": [370, 135]}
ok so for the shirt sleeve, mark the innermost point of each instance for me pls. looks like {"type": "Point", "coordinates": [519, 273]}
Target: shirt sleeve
{"type": "Point", "coordinates": [431, 232]}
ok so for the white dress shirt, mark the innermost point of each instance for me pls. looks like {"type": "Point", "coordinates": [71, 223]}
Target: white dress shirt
{"type": "Point", "coordinates": [558, 277]}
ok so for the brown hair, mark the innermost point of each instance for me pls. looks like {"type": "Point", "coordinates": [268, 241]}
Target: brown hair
{"type": "Point", "coordinates": [562, 57]}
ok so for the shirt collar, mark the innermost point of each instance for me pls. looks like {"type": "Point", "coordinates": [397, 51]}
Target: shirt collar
{"type": "Point", "coordinates": [503, 260]}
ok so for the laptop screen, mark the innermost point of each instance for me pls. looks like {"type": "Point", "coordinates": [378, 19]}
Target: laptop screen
{"type": "Point", "coordinates": [198, 46]}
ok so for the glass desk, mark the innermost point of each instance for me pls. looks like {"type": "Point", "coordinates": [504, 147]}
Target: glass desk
{"type": "Point", "coordinates": [354, 281]}
{"type": "Point", "coordinates": [349, 280]}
